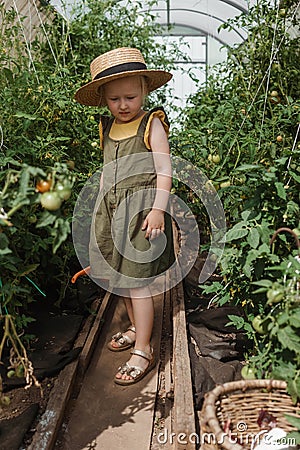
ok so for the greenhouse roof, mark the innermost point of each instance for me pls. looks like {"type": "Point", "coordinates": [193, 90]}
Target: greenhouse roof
{"type": "Point", "coordinates": [202, 17]}
{"type": "Point", "coordinates": [191, 17]}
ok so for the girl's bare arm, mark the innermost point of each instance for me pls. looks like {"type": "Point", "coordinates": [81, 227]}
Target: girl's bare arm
{"type": "Point", "coordinates": [161, 154]}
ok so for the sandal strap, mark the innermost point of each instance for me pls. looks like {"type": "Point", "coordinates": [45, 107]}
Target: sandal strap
{"type": "Point", "coordinates": [132, 371]}
{"type": "Point", "coordinates": [131, 328]}
{"type": "Point", "coordinates": [122, 338]}
{"type": "Point", "coordinates": [145, 355]}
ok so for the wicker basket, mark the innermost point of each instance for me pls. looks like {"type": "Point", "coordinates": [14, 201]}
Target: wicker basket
{"type": "Point", "coordinates": [240, 403]}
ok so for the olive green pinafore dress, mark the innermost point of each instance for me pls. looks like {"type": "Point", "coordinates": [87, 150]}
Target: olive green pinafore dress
{"type": "Point", "coordinates": [119, 251]}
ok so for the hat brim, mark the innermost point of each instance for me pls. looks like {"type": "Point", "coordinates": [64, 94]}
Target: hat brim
{"type": "Point", "coordinates": [89, 93]}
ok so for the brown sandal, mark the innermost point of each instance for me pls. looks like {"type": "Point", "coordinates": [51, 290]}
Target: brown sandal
{"type": "Point", "coordinates": [124, 341]}
{"type": "Point", "coordinates": [135, 372]}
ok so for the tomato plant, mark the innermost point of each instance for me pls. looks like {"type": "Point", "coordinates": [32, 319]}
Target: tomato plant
{"type": "Point", "coordinates": [247, 113]}
{"type": "Point", "coordinates": [48, 140]}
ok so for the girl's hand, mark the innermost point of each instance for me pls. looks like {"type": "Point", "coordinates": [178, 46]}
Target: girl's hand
{"type": "Point", "coordinates": [154, 224]}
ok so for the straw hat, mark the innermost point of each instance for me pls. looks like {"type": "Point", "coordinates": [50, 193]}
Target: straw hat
{"type": "Point", "coordinates": [118, 63]}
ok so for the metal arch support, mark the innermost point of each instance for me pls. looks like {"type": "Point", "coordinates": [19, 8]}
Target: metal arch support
{"type": "Point", "coordinates": [235, 5]}
{"type": "Point", "coordinates": [204, 14]}
{"type": "Point", "coordinates": [200, 30]}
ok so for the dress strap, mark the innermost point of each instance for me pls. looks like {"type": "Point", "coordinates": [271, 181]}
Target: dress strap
{"type": "Point", "coordinates": [158, 112]}
{"type": "Point", "coordinates": [104, 128]}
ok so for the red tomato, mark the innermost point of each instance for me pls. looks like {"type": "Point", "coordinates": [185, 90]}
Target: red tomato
{"type": "Point", "coordinates": [44, 185]}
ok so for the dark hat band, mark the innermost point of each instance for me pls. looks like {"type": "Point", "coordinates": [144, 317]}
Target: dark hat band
{"type": "Point", "coordinates": [119, 68]}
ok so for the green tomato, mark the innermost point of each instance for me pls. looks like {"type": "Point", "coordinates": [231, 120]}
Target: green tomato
{"type": "Point", "coordinates": [225, 184]}
{"type": "Point", "coordinates": [11, 373]}
{"type": "Point", "coordinates": [248, 373]}
{"type": "Point", "coordinates": [64, 191]}
{"type": "Point", "coordinates": [275, 294]}
{"type": "Point", "coordinates": [20, 371]}
{"type": "Point", "coordinates": [297, 231]}
{"type": "Point", "coordinates": [32, 218]}
{"type": "Point", "coordinates": [216, 158]}
{"type": "Point", "coordinates": [259, 325]}
{"type": "Point", "coordinates": [51, 201]}
{"type": "Point", "coordinates": [4, 400]}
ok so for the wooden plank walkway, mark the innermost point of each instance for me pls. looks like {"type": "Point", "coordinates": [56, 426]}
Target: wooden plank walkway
{"type": "Point", "coordinates": [106, 415]}
{"type": "Point", "coordinates": [87, 410]}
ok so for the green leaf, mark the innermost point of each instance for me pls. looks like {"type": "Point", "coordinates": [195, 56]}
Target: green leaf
{"type": "Point", "coordinates": [236, 321]}
{"type": "Point", "coordinates": [263, 283]}
{"type": "Point", "coordinates": [28, 269]}
{"type": "Point", "coordinates": [280, 190]}
{"type": "Point", "coordinates": [4, 242]}
{"type": "Point", "coordinates": [224, 299]}
{"type": "Point", "coordinates": [279, 372]}
{"type": "Point", "coordinates": [293, 388]}
{"type": "Point", "coordinates": [247, 269]}
{"type": "Point", "coordinates": [263, 249]}
{"type": "Point", "coordinates": [24, 115]}
{"type": "Point", "coordinates": [248, 266]}
{"type": "Point", "coordinates": [283, 318]}
{"type": "Point", "coordinates": [63, 229]}
{"type": "Point", "coordinates": [295, 176]}
{"type": "Point", "coordinates": [245, 215]}
{"type": "Point", "coordinates": [295, 421]}
{"type": "Point", "coordinates": [212, 288]}
{"type": "Point", "coordinates": [24, 181]}
{"type": "Point", "coordinates": [247, 167]}
{"type": "Point", "coordinates": [294, 318]}
{"type": "Point", "coordinates": [62, 138]}
{"type": "Point", "coordinates": [46, 219]}
{"type": "Point", "coordinates": [289, 339]}
{"type": "Point", "coordinates": [253, 237]}
{"type": "Point", "coordinates": [237, 232]}
{"type": "Point", "coordinates": [5, 251]}
{"type": "Point", "coordinates": [294, 438]}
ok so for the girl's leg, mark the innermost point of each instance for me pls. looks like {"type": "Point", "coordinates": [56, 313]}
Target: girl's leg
{"type": "Point", "coordinates": [143, 312]}
{"type": "Point", "coordinates": [129, 333]}
{"type": "Point", "coordinates": [128, 304]}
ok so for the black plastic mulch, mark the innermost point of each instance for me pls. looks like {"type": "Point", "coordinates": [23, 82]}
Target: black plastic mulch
{"type": "Point", "coordinates": [216, 350]}
{"type": "Point", "coordinates": [13, 430]}
{"type": "Point", "coordinates": [51, 350]}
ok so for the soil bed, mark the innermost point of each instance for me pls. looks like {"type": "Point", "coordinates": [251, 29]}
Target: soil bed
{"type": "Point", "coordinates": [54, 347]}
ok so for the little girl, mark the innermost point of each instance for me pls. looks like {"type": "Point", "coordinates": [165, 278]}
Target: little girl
{"type": "Point", "coordinates": [131, 236]}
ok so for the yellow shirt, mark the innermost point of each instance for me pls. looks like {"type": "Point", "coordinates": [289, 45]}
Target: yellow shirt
{"type": "Point", "coordinates": [121, 131]}
{"type": "Point", "coordinates": [125, 130]}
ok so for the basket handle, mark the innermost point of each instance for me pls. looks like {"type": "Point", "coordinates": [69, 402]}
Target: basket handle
{"type": "Point", "coordinates": [288, 230]}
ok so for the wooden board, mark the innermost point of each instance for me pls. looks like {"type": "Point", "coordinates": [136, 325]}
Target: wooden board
{"type": "Point", "coordinates": [106, 415]}
{"type": "Point", "coordinates": [184, 421]}
{"type": "Point", "coordinates": [31, 17]}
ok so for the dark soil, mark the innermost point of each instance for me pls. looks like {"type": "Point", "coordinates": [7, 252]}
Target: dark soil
{"type": "Point", "coordinates": [21, 398]}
